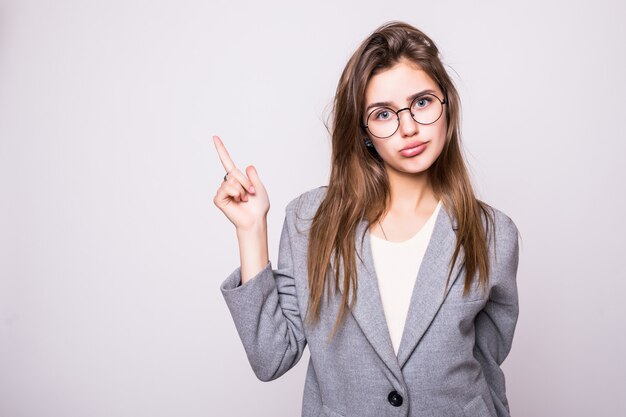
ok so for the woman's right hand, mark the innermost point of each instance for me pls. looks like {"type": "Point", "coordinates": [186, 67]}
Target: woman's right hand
{"type": "Point", "coordinates": [243, 199]}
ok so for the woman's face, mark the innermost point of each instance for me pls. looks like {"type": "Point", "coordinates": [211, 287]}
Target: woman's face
{"type": "Point", "coordinates": [397, 86]}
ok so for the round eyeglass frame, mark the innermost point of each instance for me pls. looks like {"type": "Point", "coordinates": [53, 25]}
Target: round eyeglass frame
{"type": "Point", "coordinates": [397, 113]}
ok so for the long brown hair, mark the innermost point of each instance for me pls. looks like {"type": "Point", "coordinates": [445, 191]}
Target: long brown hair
{"type": "Point", "coordinates": [358, 187]}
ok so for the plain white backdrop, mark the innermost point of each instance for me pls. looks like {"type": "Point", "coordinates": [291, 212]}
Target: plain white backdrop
{"type": "Point", "coordinates": [112, 252]}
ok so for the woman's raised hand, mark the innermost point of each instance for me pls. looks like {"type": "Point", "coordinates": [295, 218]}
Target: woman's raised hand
{"type": "Point", "coordinates": [243, 199]}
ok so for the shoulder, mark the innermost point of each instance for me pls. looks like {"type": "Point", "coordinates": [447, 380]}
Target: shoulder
{"type": "Point", "coordinates": [506, 235]}
{"type": "Point", "coordinates": [307, 203]}
{"type": "Point", "coordinates": [504, 226]}
{"type": "Point", "coordinates": [301, 210]}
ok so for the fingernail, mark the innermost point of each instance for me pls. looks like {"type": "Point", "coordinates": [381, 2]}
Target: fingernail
{"type": "Point", "coordinates": [252, 190]}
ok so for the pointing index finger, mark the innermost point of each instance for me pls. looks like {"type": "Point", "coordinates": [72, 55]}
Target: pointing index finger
{"type": "Point", "coordinates": [228, 163]}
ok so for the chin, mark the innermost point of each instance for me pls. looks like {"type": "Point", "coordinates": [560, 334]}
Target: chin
{"type": "Point", "coordinates": [416, 163]}
{"type": "Point", "coordinates": [410, 168]}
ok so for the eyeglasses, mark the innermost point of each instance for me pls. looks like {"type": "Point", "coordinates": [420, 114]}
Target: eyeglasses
{"type": "Point", "coordinates": [425, 110]}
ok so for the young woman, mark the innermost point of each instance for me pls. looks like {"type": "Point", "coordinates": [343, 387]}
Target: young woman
{"type": "Point", "coordinates": [401, 282]}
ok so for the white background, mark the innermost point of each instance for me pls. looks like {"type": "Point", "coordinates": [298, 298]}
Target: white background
{"type": "Point", "coordinates": [112, 252]}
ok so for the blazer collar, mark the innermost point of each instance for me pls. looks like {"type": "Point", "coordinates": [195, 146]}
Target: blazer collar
{"type": "Point", "coordinates": [428, 292]}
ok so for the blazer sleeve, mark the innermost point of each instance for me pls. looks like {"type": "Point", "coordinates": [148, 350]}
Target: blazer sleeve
{"type": "Point", "coordinates": [495, 324]}
{"type": "Point", "coordinates": [266, 315]}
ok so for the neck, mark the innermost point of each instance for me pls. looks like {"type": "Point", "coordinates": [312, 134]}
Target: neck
{"type": "Point", "coordinates": [409, 192]}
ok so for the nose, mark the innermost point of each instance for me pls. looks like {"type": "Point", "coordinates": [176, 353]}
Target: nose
{"type": "Point", "coordinates": [408, 126]}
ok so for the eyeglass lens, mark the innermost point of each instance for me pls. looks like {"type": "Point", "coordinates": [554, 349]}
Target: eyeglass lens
{"type": "Point", "coordinates": [383, 122]}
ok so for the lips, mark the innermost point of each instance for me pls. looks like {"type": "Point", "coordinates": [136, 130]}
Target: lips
{"type": "Point", "coordinates": [413, 149]}
{"type": "Point", "coordinates": [412, 145]}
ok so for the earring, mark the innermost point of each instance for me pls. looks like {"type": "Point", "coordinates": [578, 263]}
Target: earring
{"type": "Point", "coordinates": [368, 143]}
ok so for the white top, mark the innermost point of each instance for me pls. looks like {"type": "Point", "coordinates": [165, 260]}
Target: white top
{"type": "Point", "coordinates": [397, 265]}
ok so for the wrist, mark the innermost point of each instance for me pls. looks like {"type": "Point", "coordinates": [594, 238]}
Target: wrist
{"type": "Point", "coordinates": [253, 251]}
{"type": "Point", "coordinates": [253, 229]}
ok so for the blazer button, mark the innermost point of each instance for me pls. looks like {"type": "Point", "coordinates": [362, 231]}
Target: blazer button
{"type": "Point", "coordinates": [395, 399]}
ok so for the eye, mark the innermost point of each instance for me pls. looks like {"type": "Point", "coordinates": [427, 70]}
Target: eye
{"type": "Point", "coordinates": [422, 102]}
{"type": "Point", "coordinates": [383, 114]}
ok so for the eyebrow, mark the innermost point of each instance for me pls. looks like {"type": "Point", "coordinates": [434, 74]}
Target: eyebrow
{"type": "Point", "coordinates": [408, 99]}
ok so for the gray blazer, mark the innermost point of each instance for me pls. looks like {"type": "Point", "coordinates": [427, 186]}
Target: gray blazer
{"type": "Point", "coordinates": [449, 358]}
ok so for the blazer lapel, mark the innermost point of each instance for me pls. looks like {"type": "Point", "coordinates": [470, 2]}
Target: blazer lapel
{"type": "Point", "coordinates": [430, 290]}
{"type": "Point", "coordinates": [368, 309]}
{"type": "Point", "coordinates": [427, 297]}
